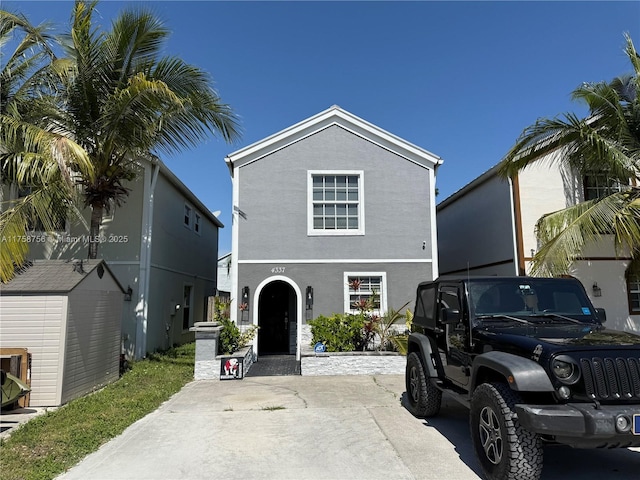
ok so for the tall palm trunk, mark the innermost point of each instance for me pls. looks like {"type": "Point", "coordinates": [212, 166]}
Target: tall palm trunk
{"type": "Point", "coordinates": [94, 230]}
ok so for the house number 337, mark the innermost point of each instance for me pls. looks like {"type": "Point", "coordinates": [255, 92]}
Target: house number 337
{"type": "Point", "coordinates": [278, 269]}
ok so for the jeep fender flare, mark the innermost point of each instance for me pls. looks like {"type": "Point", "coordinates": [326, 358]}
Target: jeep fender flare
{"type": "Point", "coordinates": [521, 374]}
{"type": "Point", "coordinates": [428, 352]}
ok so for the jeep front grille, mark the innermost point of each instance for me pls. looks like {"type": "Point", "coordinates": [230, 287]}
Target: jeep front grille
{"type": "Point", "coordinates": [611, 378]}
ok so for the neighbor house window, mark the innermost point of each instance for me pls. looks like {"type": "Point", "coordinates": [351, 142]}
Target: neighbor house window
{"type": "Point", "coordinates": [196, 223]}
{"type": "Point", "coordinates": [599, 185]}
{"type": "Point", "coordinates": [187, 216]}
{"type": "Point", "coordinates": [335, 205]}
{"type": "Point", "coordinates": [365, 289]}
{"type": "Point", "coordinates": [35, 224]}
{"type": "Point", "coordinates": [186, 307]}
{"type": "Point", "coordinates": [633, 287]}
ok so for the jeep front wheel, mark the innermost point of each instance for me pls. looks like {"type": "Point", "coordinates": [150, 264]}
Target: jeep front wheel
{"type": "Point", "coordinates": [423, 398]}
{"type": "Point", "coordinates": [505, 450]}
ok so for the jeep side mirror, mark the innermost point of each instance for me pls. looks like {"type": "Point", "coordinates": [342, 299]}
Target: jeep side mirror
{"type": "Point", "coordinates": [450, 316]}
{"type": "Point", "coordinates": [601, 314]}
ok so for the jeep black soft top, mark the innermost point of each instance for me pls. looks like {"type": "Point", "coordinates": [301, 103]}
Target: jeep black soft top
{"type": "Point", "coordinates": [532, 360]}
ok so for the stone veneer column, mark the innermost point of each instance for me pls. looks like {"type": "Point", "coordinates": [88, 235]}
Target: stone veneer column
{"type": "Point", "coordinates": [207, 336]}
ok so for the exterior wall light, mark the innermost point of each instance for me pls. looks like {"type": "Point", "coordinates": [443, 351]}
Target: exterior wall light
{"type": "Point", "coordinates": [597, 291]}
{"type": "Point", "coordinates": [309, 297]}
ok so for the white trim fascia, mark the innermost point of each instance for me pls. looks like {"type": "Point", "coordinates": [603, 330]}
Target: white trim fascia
{"type": "Point", "coordinates": [383, 293]}
{"type": "Point", "coordinates": [235, 225]}
{"type": "Point", "coordinates": [336, 260]}
{"type": "Point", "coordinates": [333, 116]}
{"type": "Point", "coordinates": [435, 273]}
{"type": "Point", "coordinates": [311, 232]}
{"type": "Point", "coordinates": [514, 235]}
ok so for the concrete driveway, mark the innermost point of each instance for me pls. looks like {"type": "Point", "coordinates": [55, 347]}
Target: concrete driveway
{"type": "Point", "coordinates": [343, 427]}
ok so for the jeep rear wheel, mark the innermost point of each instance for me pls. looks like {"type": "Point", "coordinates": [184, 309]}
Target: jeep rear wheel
{"type": "Point", "coordinates": [423, 398]}
{"type": "Point", "coordinates": [505, 450]}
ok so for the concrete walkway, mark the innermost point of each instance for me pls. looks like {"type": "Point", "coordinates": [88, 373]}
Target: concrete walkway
{"type": "Point", "coordinates": [343, 427]}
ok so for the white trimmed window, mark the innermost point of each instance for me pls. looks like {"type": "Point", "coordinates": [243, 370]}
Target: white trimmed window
{"type": "Point", "coordinates": [335, 203]}
{"type": "Point", "coordinates": [361, 286]}
{"type": "Point", "coordinates": [196, 223]}
{"type": "Point", "coordinates": [188, 212]}
{"type": "Point", "coordinates": [599, 185]}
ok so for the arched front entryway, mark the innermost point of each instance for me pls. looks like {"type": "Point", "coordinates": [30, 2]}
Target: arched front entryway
{"type": "Point", "coordinates": [277, 319]}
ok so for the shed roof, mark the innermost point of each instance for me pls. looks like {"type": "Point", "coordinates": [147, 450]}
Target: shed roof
{"type": "Point", "coordinates": [52, 276]}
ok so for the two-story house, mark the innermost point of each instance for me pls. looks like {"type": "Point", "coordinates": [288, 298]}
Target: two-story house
{"type": "Point", "coordinates": [327, 211]}
{"type": "Point", "coordinates": [161, 245]}
{"type": "Point", "coordinates": [488, 228]}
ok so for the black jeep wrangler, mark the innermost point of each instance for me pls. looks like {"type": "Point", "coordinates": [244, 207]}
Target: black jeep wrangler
{"type": "Point", "coordinates": [533, 362]}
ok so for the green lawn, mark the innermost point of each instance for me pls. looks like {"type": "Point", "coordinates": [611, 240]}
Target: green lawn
{"type": "Point", "coordinates": [52, 443]}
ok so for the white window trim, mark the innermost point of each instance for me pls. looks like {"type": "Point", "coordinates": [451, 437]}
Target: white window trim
{"type": "Point", "coordinates": [189, 224]}
{"type": "Point", "coordinates": [197, 222]}
{"type": "Point", "coordinates": [383, 293]}
{"type": "Point", "coordinates": [313, 232]}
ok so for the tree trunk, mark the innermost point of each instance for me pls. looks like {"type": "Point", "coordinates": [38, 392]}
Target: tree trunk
{"type": "Point", "coordinates": [94, 230]}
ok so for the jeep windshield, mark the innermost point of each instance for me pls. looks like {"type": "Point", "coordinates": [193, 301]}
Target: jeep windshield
{"type": "Point", "coordinates": [534, 300]}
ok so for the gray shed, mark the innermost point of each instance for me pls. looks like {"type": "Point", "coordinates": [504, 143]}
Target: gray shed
{"type": "Point", "coordinates": [68, 314]}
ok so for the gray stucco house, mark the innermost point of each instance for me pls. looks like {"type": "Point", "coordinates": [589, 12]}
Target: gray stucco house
{"type": "Point", "coordinates": [317, 205]}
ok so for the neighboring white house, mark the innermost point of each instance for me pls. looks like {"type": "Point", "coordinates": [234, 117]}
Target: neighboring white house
{"type": "Point", "coordinates": [487, 228]}
{"type": "Point", "coordinates": [224, 275]}
{"type": "Point", "coordinates": [161, 244]}
{"type": "Point", "coordinates": [67, 314]}
{"type": "Point", "coordinates": [320, 207]}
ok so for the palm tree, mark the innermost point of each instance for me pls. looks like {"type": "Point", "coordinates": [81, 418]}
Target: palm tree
{"type": "Point", "coordinates": [122, 100]}
{"type": "Point", "coordinates": [29, 151]}
{"type": "Point", "coordinates": [606, 142]}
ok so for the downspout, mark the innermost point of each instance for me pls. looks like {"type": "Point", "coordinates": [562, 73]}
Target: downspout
{"type": "Point", "coordinates": [516, 227]}
{"type": "Point", "coordinates": [235, 226]}
{"type": "Point", "coordinates": [435, 266]}
{"type": "Point", "coordinates": [142, 306]}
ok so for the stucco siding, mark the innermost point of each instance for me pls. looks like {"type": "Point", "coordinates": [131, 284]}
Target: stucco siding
{"type": "Point", "coordinates": [36, 323]}
{"type": "Point", "coordinates": [543, 189]}
{"type": "Point", "coordinates": [475, 231]}
{"type": "Point", "coordinates": [272, 202]}
{"type": "Point", "coordinates": [327, 281]}
{"type": "Point", "coordinates": [176, 246]}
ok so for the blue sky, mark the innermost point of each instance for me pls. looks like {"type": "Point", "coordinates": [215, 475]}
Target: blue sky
{"type": "Point", "coordinates": [460, 79]}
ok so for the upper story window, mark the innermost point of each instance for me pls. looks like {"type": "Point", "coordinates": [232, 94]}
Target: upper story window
{"type": "Point", "coordinates": [335, 205]}
{"type": "Point", "coordinates": [188, 212]}
{"type": "Point", "coordinates": [197, 223]}
{"type": "Point", "coordinates": [600, 185]}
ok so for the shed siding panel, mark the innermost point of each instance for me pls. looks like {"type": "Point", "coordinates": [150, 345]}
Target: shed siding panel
{"type": "Point", "coordinates": [93, 341]}
{"type": "Point", "coordinates": [34, 322]}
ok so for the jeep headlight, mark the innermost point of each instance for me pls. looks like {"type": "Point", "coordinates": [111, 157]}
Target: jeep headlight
{"type": "Point", "coordinates": [565, 369]}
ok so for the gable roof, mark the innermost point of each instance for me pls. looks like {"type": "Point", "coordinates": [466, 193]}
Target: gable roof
{"type": "Point", "coordinates": [52, 276]}
{"type": "Point", "coordinates": [332, 116]}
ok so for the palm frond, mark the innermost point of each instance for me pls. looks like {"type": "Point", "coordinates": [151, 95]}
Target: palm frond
{"type": "Point", "coordinates": [565, 233]}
